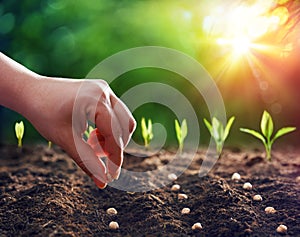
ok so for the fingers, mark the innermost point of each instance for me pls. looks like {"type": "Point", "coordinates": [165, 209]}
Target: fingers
{"type": "Point", "coordinates": [125, 118]}
{"type": "Point", "coordinates": [85, 157]}
{"type": "Point", "coordinates": [109, 128]}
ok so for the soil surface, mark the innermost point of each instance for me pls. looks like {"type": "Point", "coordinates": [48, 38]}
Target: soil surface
{"type": "Point", "coordinates": [43, 193]}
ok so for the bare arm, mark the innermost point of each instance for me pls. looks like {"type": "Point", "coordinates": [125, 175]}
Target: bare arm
{"type": "Point", "coordinates": [60, 108]}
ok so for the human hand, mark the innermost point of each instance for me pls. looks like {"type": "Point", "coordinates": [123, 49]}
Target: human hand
{"type": "Point", "coordinates": [60, 109]}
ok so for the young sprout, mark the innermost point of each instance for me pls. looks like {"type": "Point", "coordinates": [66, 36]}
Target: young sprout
{"type": "Point", "coordinates": [266, 126]}
{"type": "Point", "coordinates": [218, 132]}
{"type": "Point", "coordinates": [181, 133]}
{"type": "Point", "coordinates": [147, 133]}
{"type": "Point", "coordinates": [19, 129]}
{"type": "Point", "coordinates": [49, 144]}
{"type": "Point", "coordinates": [88, 132]}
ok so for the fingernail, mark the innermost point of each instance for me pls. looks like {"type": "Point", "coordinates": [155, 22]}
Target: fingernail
{"type": "Point", "coordinates": [117, 175]}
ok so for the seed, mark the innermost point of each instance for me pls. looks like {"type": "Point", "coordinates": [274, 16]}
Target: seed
{"type": "Point", "coordinates": [270, 210]}
{"type": "Point", "coordinates": [111, 211]}
{"type": "Point", "coordinates": [281, 229]}
{"type": "Point", "coordinates": [197, 226]}
{"type": "Point", "coordinates": [172, 177]}
{"type": "Point", "coordinates": [175, 187]}
{"type": "Point", "coordinates": [298, 179]}
{"type": "Point", "coordinates": [113, 225]}
{"type": "Point", "coordinates": [186, 210]}
{"type": "Point", "coordinates": [247, 186]}
{"type": "Point", "coordinates": [182, 196]}
{"type": "Point", "coordinates": [236, 176]}
{"type": "Point", "coordinates": [257, 198]}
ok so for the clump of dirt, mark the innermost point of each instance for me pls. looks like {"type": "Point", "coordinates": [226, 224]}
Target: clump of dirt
{"type": "Point", "coordinates": [43, 193]}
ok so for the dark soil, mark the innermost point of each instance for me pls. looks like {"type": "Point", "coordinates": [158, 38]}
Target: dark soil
{"type": "Point", "coordinates": [43, 193]}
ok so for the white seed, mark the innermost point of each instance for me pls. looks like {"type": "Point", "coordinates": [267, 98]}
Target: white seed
{"type": "Point", "coordinates": [113, 225]}
{"type": "Point", "coordinates": [281, 229]}
{"type": "Point", "coordinates": [175, 187]}
{"type": "Point", "coordinates": [185, 210]}
{"type": "Point", "coordinates": [298, 179]}
{"type": "Point", "coordinates": [111, 211]}
{"type": "Point", "coordinates": [236, 176]}
{"type": "Point", "coordinates": [257, 198]}
{"type": "Point", "coordinates": [247, 186]}
{"type": "Point", "coordinates": [270, 210]}
{"type": "Point", "coordinates": [172, 177]}
{"type": "Point", "coordinates": [197, 226]}
{"type": "Point", "coordinates": [182, 196]}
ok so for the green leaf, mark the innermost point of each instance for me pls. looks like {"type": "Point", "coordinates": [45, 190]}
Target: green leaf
{"type": "Point", "coordinates": [150, 134]}
{"type": "Point", "coordinates": [144, 129]}
{"type": "Point", "coordinates": [184, 129]}
{"type": "Point", "coordinates": [282, 132]}
{"type": "Point", "coordinates": [227, 128]}
{"type": "Point", "coordinates": [253, 133]}
{"type": "Point", "coordinates": [216, 129]}
{"type": "Point", "coordinates": [178, 131]}
{"type": "Point", "coordinates": [19, 129]}
{"type": "Point", "coordinates": [266, 125]}
{"type": "Point", "coordinates": [208, 125]}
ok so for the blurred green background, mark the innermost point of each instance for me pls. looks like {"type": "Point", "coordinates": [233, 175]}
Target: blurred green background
{"type": "Point", "coordinates": [68, 38]}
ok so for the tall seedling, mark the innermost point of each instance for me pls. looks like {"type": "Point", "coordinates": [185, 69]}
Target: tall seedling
{"type": "Point", "coordinates": [267, 127]}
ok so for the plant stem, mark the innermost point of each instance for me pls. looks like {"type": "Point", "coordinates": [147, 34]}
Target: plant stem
{"type": "Point", "coordinates": [19, 142]}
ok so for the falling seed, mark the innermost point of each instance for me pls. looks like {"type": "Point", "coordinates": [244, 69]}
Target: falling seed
{"type": "Point", "coordinates": [236, 176]}
{"type": "Point", "coordinates": [257, 198]}
{"type": "Point", "coordinates": [247, 186]}
{"type": "Point", "coordinates": [270, 210]}
{"type": "Point", "coordinates": [175, 187]}
{"type": "Point", "coordinates": [197, 226]}
{"type": "Point", "coordinates": [185, 210]}
{"type": "Point", "coordinates": [182, 196]}
{"type": "Point", "coordinates": [172, 177]}
{"type": "Point", "coordinates": [113, 225]}
{"type": "Point", "coordinates": [282, 229]}
{"type": "Point", "coordinates": [111, 211]}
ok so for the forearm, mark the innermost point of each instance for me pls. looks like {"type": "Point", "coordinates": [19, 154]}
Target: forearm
{"type": "Point", "coordinates": [16, 82]}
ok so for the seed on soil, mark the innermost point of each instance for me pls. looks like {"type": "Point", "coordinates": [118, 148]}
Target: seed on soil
{"type": "Point", "coordinates": [257, 198]}
{"type": "Point", "coordinates": [175, 187]}
{"type": "Point", "coordinates": [185, 210]}
{"type": "Point", "coordinates": [172, 177]}
{"type": "Point", "coordinates": [113, 225]}
{"type": "Point", "coordinates": [281, 229]}
{"type": "Point", "coordinates": [111, 211]}
{"type": "Point", "coordinates": [182, 196]}
{"type": "Point", "coordinates": [247, 186]}
{"type": "Point", "coordinates": [197, 226]}
{"type": "Point", "coordinates": [298, 179]}
{"type": "Point", "coordinates": [236, 176]}
{"type": "Point", "coordinates": [270, 210]}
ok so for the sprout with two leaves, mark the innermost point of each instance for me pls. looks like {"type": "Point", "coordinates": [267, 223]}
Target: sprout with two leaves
{"type": "Point", "coordinates": [217, 131]}
{"type": "Point", "coordinates": [267, 127]}
{"type": "Point", "coordinates": [181, 133]}
{"type": "Point", "coordinates": [147, 133]}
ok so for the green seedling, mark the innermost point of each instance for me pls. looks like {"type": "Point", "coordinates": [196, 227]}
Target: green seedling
{"type": "Point", "coordinates": [147, 133]}
{"type": "Point", "coordinates": [218, 132]}
{"type": "Point", "coordinates": [267, 127]}
{"type": "Point", "coordinates": [49, 144]}
{"type": "Point", "coordinates": [88, 131]}
{"type": "Point", "coordinates": [19, 129]}
{"type": "Point", "coordinates": [181, 133]}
